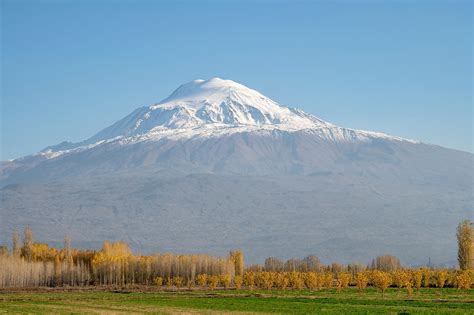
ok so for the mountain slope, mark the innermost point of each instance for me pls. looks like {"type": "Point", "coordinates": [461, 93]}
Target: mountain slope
{"type": "Point", "coordinates": [217, 166]}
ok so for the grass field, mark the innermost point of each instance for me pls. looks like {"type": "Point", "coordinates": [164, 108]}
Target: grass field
{"type": "Point", "coordinates": [427, 301]}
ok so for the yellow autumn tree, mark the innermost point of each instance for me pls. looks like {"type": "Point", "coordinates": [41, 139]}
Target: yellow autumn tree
{"type": "Point", "coordinates": [381, 280]}
{"type": "Point", "coordinates": [441, 277]}
{"type": "Point", "coordinates": [225, 280]}
{"type": "Point", "coordinates": [327, 279]}
{"type": "Point", "coordinates": [296, 280]}
{"type": "Point", "coordinates": [238, 282]}
{"type": "Point", "coordinates": [311, 280]}
{"type": "Point", "coordinates": [343, 280]}
{"type": "Point", "coordinates": [213, 281]}
{"type": "Point", "coordinates": [282, 280]}
{"type": "Point", "coordinates": [249, 279]}
{"type": "Point", "coordinates": [264, 280]}
{"type": "Point", "coordinates": [362, 280]}
{"type": "Point", "coordinates": [178, 281]}
{"type": "Point", "coordinates": [202, 280]}
{"type": "Point", "coordinates": [237, 258]}
{"type": "Point", "coordinates": [401, 278]}
{"type": "Point", "coordinates": [465, 237]}
{"type": "Point", "coordinates": [27, 249]}
{"type": "Point", "coordinates": [417, 278]}
{"type": "Point", "coordinates": [158, 281]}
{"type": "Point", "coordinates": [427, 275]}
{"type": "Point", "coordinates": [465, 280]}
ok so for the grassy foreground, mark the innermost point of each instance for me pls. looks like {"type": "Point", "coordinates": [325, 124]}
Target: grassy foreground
{"type": "Point", "coordinates": [427, 301]}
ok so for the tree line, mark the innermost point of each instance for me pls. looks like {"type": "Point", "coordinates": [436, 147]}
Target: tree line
{"type": "Point", "coordinates": [35, 264]}
{"type": "Point", "coordinates": [30, 264]}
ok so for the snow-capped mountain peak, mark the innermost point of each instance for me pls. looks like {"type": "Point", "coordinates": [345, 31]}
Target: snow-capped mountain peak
{"type": "Point", "coordinates": [228, 102]}
{"type": "Point", "coordinates": [213, 103]}
{"type": "Point", "coordinates": [213, 108]}
{"type": "Point", "coordinates": [214, 89]}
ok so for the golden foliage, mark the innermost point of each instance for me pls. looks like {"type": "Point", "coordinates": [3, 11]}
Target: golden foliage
{"type": "Point", "coordinates": [381, 279]}
{"type": "Point", "coordinates": [202, 280]}
{"type": "Point", "coordinates": [362, 279]}
{"type": "Point", "coordinates": [401, 278]}
{"type": "Point", "coordinates": [264, 280]}
{"type": "Point", "coordinates": [465, 237]}
{"type": "Point", "coordinates": [237, 257]}
{"type": "Point", "coordinates": [327, 280]}
{"type": "Point", "coordinates": [238, 280]}
{"type": "Point", "coordinates": [158, 281]}
{"type": "Point", "coordinates": [225, 280]}
{"type": "Point", "coordinates": [427, 275]}
{"type": "Point", "coordinates": [282, 280]}
{"type": "Point", "coordinates": [465, 279]}
{"type": "Point", "coordinates": [213, 281]}
{"type": "Point", "coordinates": [178, 281]}
{"type": "Point", "coordinates": [343, 280]}
{"type": "Point", "coordinates": [249, 279]}
{"type": "Point", "coordinates": [441, 277]}
{"type": "Point", "coordinates": [296, 280]}
{"type": "Point", "coordinates": [311, 280]}
{"type": "Point", "coordinates": [417, 278]}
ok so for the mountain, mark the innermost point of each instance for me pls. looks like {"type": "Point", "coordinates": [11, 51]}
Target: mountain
{"type": "Point", "coordinates": [217, 166]}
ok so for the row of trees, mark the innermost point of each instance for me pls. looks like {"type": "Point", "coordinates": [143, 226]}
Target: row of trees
{"type": "Point", "coordinates": [18, 272]}
{"type": "Point", "coordinates": [36, 264]}
{"type": "Point", "coordinates": [115, 264]}
{"type": "Point", "coordinates": [402, 279]}
{"type": "Point", "coordinates": [312, 263]}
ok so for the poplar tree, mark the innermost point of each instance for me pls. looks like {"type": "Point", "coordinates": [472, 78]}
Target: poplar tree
{"type": "Point", "coordinates": [465, 236]}
{"type": "Point", "coordinates": [28, 244]}
{"type": "Point", "coordinates": [16, 248]}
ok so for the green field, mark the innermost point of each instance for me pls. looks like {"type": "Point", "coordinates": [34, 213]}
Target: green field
{"type": "Point", "coordinates": [427, 301]}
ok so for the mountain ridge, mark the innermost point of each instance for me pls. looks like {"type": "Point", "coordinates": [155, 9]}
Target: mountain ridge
{"type": "Point", "coordinates": [201, 107]}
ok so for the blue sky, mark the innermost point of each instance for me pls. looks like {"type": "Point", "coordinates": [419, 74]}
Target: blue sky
{"type": "Point", "coordinates": [71, 68]}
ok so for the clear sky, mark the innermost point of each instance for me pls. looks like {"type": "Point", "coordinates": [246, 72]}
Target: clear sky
{"type": "Point", "coordinates": [71, 68]}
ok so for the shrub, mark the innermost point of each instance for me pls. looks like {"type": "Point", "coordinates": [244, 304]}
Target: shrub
{"type": "Point", "coordinates": [417, 278]}
{"type": "Point", "coordinates": [202, 280]}
{"type": "Point", "coordinates": [296, 280]}
{"type": "Point", "coordinates": [381, 280]}
{"type": "Point", "coordinates": [178, 282]}
{"type": "Point", "coordinates": [427, 275]}
{"type": "Point", "coordinates": [225, 281]}
{"type": "Point", "coordinates": [158, 281]}
{"type": "Point", "coordinates": [441, 277]}
{"type": "Point", "coordinates": [344, 278]}
{"type": "Point", "coordinates": [401, 278]}
{"type": "Point", "coordinates": [249, 279]}
{"type": "Point", "coordinates": [213, 281]}
{"type": "Point", "coordinates": [327, 279]}
{"type": "Point", "coordinates": [282, 280]}
{"type": "Point", "coordinates": [238, 282]}
{"type": "Point", "coordinates": [464, 280]}
{"type": "Point", "coordinates": [311, 280]}
{"type": "Point", "coordinates": [362, 279]}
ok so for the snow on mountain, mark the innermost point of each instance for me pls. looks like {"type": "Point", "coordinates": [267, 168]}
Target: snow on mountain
{"type": "Point", "coordinates": [213, 104]}
{"type": "Point", "coordinates": [212, 108]}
